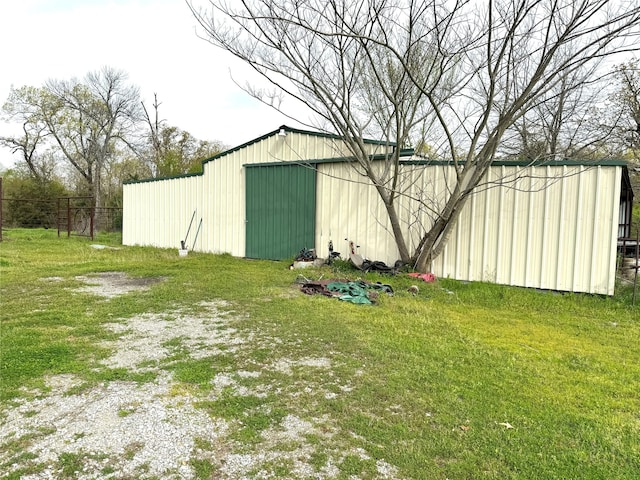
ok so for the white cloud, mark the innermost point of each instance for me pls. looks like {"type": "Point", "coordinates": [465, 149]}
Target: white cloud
{"type": "Point", "coordinates": [155, 42]}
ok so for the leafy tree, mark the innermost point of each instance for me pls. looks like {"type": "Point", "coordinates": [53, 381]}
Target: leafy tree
{"type": "Point", "coordinates": [180, 152]}
{"type": "Point", "coordinates": [463, 72]}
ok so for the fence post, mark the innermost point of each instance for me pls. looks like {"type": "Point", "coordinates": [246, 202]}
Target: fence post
{"type": "Point", "coordinates": [93, 213]}
{"type": "Point", "coordinates": [58, 219]}
{"type": "Point", "coordinates": [68, 217]}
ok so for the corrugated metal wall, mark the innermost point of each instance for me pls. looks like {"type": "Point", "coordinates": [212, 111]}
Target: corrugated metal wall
{"type": "Point", "coordinates": [349, 207]}
{"type": "Point", "coordinates": [551, 228]}
{"type": "Point", "coordinates": [224, 180]}
{"type": "Point", "coordinates": [158, 213]}
{"type": "Point", "coordinates": [543, 227]}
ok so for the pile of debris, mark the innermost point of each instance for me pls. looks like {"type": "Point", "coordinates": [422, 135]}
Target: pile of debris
{"type": "Point", "coordinates": [353, 291]}
{"type": "Point", "coordinates": [366, 265]}
{"type": "Point", "coordinates": [307, 258]}
{"type": "Point", "coordinates": [357, 291]}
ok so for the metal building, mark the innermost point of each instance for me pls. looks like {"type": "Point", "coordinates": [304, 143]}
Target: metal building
{"type": "Point", "coordinates": [551, 226]}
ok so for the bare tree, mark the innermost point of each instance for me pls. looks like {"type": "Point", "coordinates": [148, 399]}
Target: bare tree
{"type": "Point", "coordinates": [626, 105]}
{"type": "Point", "coordinates": [86, 120]}
{"type": "Point", "coordinates": [21, 107]}
{"type": "Point", "coordinates": [462, 73]}
{"type": "Point", "coordinates": [155, 126]}
{"type": "Point", "coordinates": [566, 123]}
{"type": "Point", "coordinates": [170, 151]}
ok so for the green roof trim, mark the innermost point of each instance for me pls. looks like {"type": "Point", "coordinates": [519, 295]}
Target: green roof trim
{"type": "Point", "coordinates": [409, 152]}
{"type": "Point", "coordinates": [332, 136]}
{"type": "Point", "coordinates": [159, 179]}
{"type": "Point", "coordinates": [290, 130]}
{"type": "Point", "coordinates": [403, 153]}
{"type": "Point", "coordinates": [529, 163]}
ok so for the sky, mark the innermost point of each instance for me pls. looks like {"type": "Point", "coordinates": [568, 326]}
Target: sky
{"type": "Point", "coordinates": [154, 41]}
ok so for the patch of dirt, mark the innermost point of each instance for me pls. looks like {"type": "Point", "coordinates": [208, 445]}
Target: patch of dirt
{"type": "Point", "coordinates": [113, 284]}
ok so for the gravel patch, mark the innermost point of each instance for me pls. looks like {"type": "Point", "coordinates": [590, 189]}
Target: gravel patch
{"type": "Point", "coordinates": [52, 279]}
{"type": "Point", "coordinates": [157, 429]}
{"type": "Point", "coordinates": [143, 339]}
{"type": "Point", "coordinates": [121, 427]}
{"type": "Point", "coordinates": [286, 365]}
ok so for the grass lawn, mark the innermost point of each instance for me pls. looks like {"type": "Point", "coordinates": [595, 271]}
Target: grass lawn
{"type": "Point", "coordinates": [462, 381]}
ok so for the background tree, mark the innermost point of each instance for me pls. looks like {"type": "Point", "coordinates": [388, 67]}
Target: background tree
{"type": "Point", "coordinates": [21, 106]}
{"type": "Point", "coordinates": [462, 73]}
{"type": "Point", "coordinates": [170, 151]}
{"type": "Point", "coordinates": [626, 105]}
{"type": "Point", "coordinates": [88, 120]}
{"type": "Point", "coordinates": [178, 152]}
{"type": "Point", "coordinates": [81, 123]}
{"type": "Point", "coordinates": [30, 201]}
{"type": "Point", "coordinates": [565, 124]}
{"type": "Point", "coordinates": [94, 134]}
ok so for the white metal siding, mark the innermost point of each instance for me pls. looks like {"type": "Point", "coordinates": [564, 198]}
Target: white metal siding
{"type": "Point", "coordinates": [157, 213]}
{"type": "Point", "coordinates": [349, 207]}
{"type": "Point", "coordinates": [553, 228]}
{"type": "Point", "coordinates": [542, 227]}
{"type": "Point", "coordinates": [225, 183]}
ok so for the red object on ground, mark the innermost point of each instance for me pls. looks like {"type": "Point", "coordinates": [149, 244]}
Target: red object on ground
{"type": "Point", "coordinates": [427, 277]}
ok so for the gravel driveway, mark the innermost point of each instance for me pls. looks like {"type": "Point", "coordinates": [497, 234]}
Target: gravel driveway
{"type": "Point", "coordinates": [158, 428]}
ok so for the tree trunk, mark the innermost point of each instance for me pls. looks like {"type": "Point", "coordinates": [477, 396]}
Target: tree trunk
{"type": "Point", "coordinates": [396, 228]}
{"type": "Point", "coordinates": [437, 237]}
